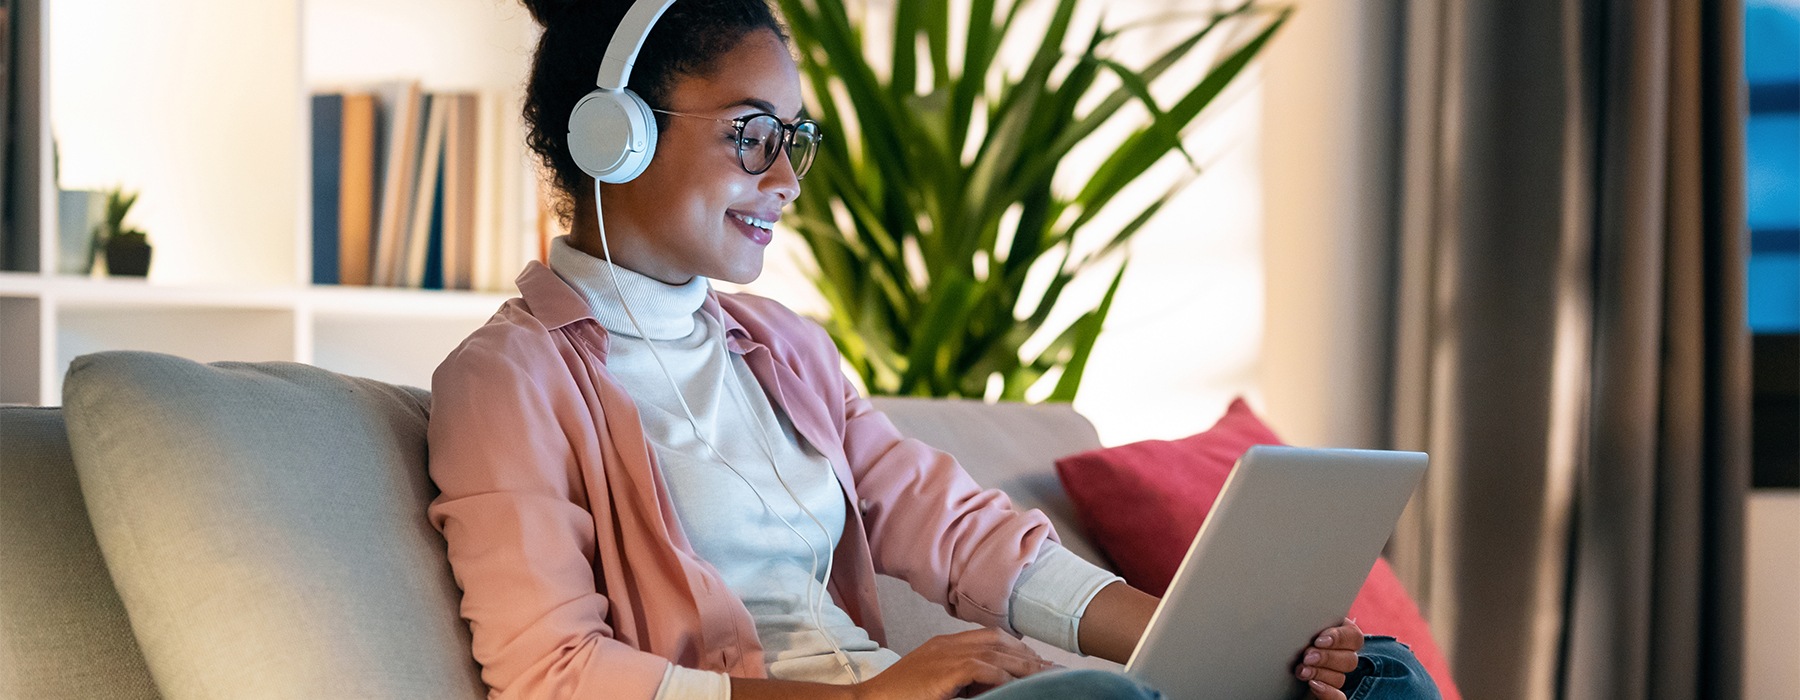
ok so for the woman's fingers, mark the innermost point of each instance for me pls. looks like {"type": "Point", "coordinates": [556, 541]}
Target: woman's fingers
{"type": "Point", "coordinates": [1324, 692]}
{"type": "Point", "coordinates": [1333, 659]}
{"type": "Point", "coordinates": [988, 674]}
{"type": "Point", "coordinates": [1323, 675]}
{"type": "Point", "coordinates": [956, 664]}
{"type": "Point", "coordinates": [993, 669]}
{"type": "Point", "coordinates": [1323, 666]}
{"type": "Point", "coordinates": [1005, 643]}
{"type": "Point", "coordinates": [1014, 665]}
{"type": "Point", "coordinates": [993, 658]}
{"type": "Point", "coordinates": [1345, 635]}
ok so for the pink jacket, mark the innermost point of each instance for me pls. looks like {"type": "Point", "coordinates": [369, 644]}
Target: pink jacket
{"type": "Point", "coordinates": [577, 579]}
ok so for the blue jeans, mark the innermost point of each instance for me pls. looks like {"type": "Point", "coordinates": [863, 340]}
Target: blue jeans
{"type": "Point", "coordinates": [1387, 670]}
{"type": "Point", "coordinates": [1074, 684]}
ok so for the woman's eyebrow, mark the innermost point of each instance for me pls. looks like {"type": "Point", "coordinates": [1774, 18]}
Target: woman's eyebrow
{"type": "Point", "coordinates": [761, 104]}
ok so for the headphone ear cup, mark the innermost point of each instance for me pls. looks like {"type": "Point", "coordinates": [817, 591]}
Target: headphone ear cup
{"type": "Point", "coordinates": [612, 135]}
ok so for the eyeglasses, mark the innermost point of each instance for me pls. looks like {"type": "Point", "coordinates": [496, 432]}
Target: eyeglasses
{"type": "Point", "coordinates": [761, 138]}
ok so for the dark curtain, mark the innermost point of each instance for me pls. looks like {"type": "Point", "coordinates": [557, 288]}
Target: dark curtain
{"type": "Point", "coordinates": [1571, 344]}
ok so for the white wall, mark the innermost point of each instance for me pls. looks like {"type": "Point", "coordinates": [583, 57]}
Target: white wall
{"type": "Point", "coordinates": [1325, 164]}
{"type": "Point", "coordinates": [209, 131]}
{"type": "Point", "coordinates": [351, 42]}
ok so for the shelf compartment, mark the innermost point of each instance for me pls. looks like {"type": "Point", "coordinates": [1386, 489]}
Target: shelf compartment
{"type": "Point", "coordinates": [394, 348]}
{"type": "Point", "coordinates": [22, 374]}
{"type": "Point", "coordinates": [387, 301]}
{"type": "Point", "coordinates": [199, 334]}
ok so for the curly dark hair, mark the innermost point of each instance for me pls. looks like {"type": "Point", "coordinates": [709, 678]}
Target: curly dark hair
{"type": "Point", "coordinates": [687, 40]}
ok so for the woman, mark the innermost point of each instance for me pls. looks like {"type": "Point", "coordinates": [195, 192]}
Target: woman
{"type": "Point", "coordinates": [647, 486]}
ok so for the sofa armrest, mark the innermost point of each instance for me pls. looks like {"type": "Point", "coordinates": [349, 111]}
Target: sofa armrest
{"type": "Point", "coordinates": [63, 629]}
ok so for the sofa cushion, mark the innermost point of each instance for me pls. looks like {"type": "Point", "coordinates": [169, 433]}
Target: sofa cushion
{"type": "Point", "coordinates": [63, 632]}
{"type": "Point", "coordinates": [1008, 446]}
{"type": "Point", "coordinates": [265, 526]}
{"type": "Point", "coordinates": [1145, 501]}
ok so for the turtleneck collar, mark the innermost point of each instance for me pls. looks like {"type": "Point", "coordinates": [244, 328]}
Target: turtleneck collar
{"type": "Point", "coordinates": [665, 311]}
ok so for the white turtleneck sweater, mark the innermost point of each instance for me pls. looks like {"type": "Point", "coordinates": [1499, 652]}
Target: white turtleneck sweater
{"type": "Point", "coordinates": [732, 511]}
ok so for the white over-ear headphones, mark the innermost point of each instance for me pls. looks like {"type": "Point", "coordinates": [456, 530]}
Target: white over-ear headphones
{"type": "Point", "coordinates": [612, 132]}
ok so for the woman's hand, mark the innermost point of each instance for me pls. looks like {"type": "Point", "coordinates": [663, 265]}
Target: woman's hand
{"type": "Point", "coordinates": [1331, 656]}
{"type": "Point", "coordinates": [954, 665]}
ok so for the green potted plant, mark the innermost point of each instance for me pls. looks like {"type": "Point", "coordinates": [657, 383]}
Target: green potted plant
{"type": "Point", "coordinates": [933, 196]}
{"type": "Point", "coordinates": [127, 249]}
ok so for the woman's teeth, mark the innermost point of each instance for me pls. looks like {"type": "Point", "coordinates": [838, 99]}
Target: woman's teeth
{"type": "Point", "coordinates": [753, 221]}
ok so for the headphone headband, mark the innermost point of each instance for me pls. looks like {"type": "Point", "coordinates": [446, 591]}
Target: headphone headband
{"type": "Point", "coordinates": [612, 132]}
{"type": "Point", "coordinates": [622, 51]}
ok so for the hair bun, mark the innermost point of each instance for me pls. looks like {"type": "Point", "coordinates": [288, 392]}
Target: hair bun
{"type": "Point", "coordinates": [548, 12]}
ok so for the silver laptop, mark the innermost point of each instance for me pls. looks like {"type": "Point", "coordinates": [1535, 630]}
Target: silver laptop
{"type": "Point", "coordinates": [1281, 556]}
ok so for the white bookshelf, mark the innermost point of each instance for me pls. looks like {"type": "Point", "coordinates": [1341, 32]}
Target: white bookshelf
{"type": "Point", "coordinates": [395, 335]}
{"type": "Point", "coordinates": [204, 108]}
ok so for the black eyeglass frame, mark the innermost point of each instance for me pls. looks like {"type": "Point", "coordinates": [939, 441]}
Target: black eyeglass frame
{"type": "Point", "coordinates": [788, 131]}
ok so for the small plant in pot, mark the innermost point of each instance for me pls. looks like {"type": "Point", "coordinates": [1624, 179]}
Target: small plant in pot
{"type": "Point", "coordinates": [127, 249]}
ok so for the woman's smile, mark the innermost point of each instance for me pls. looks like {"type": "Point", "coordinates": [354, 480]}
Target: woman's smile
{"type": "Point", "coordinates": [758, 230]}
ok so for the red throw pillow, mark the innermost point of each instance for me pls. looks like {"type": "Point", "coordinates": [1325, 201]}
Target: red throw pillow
{"type": "Point", "coordinates": [1170, 485]}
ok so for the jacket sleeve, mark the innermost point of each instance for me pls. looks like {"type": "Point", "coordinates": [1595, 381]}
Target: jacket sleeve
{"type": "Point", "coordinates": [513, 513]}
{"type": "Point", "coordinates": [930, 524]}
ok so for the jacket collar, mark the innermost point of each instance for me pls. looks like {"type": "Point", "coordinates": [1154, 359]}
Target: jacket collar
{"type": "Point", "coordinates": [549, 299]}
{"type": "Point", "coordinates": [736, 338]}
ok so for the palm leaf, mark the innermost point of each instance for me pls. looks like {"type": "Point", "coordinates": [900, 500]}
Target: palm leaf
{"type": "Point", "coordinates": [1087, 330]}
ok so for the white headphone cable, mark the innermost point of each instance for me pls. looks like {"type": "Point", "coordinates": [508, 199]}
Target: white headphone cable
{"type": "Point", "coordinates": [819, 603]}
{"type": "Point", "coordinates": [730, 381]}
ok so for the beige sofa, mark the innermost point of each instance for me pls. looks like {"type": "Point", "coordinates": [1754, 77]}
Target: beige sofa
{"type": "Point", "coordinates": [257, 530]}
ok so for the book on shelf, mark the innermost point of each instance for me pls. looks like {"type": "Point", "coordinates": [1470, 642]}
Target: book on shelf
{"type": "Point", "coordinates": [461, 160]}
{"type": "Point", "coordinates": [327, 157]}
{"type": "Point", "coordinates": [410, 267]}
{"type": "Point", "coordinates": [12, 247]}
{"type": "Point", "coordinates": [431, 274]}
{"type": "Point", "coordinates": [345, 136]}
{"type": "Point", "coordinates": [358, 162]}
{"type": "Point", "coordinates": [422, 189]}
{"type": "Point", "coordinates": [491, 142]}
{"type": "Point", "coordinates": [405, 106]}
